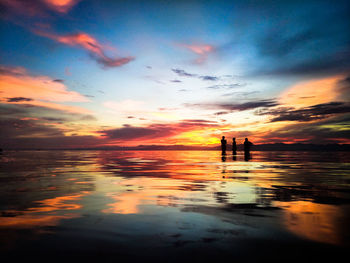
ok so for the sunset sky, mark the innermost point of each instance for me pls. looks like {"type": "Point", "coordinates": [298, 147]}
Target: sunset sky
{"type": "Point", "coordinates": [81, 73]}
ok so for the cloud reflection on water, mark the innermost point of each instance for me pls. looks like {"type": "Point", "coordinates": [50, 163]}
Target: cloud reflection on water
{"type": "Point", "coordinates": [305, 194]}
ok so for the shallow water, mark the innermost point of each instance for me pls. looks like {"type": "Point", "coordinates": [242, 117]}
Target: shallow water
{"type": "Point", "coordinates": [173, 205]}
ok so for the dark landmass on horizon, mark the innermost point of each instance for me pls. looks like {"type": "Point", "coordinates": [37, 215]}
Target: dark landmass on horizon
{"type": "Point", "coordinates": [255, 147]}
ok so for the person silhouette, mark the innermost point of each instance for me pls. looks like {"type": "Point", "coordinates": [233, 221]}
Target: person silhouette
{"type": "Point", "coordinates": [234, 146]}
{"type": "Point", "coordinates": [247, 145]}
{"type": "Point", "coordinates": [223, 157]}
{"type": "Point", "coordinates": [223, 145]}
{"type": "Point", "coordinates": [247, 156]}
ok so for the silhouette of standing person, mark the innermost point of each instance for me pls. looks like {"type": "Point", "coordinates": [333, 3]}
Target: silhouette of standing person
{"type": "Point", "coordinates": [234, 146]}
{"type": "Point", "coordinates": [247, 145]}
{"type": "Point", "coordinates": [247, 156]}
{"type": "Point", "coordinates": [223, 145]}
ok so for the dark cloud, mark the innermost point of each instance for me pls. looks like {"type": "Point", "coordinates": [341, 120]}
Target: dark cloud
{"type": "Point", "coordinates": [175, 81]}
{"type": "Point", "coordinates": [53, 119]}
{"type": "Point", "coordinates": [11, 9]}
{"type": "Point", "coordinates": [315, 112]}
{"type": "Point", "coordinates": [226, 86]}
{"type": "Point", "coordinates": [183, 73]}
{"type": "Point", "coordinates": [334, 129]}
{"type": "Point", "coordinates": [155, 131]}
{"type": "Point", "coordinates": [236, 106]}
{"type": "Point", "coordinates": [221, 113]}
{"type": "Point", "coordinates": [18, 99]}
{"type": "Point", "coordinates": [108, 62]}
{"type": "Point", "coordinates": [58, 80]}
{"type": "Point", "coordinates": [6, 110]}
{"type": "Point", "coordinates": [296, 38]}
{"type": "Point", "coordinates": [338, 63]}
{"type": "Point", "coordinates": [13, 71]}
{"type": "Point", "coordinates": [196, 122]}
{"type": "Point", "coordinates": [239, 94]}
{"type": "Point", "coordinates": [130, 133]}
{"type": "Point", "coordinates": [211, 78]}
{"type": "Point", "coordinates": [23, 111]}
{"type": "Point", "coordinates": [16, 128]}
{"type": "Point", "coordinates": [343, 87]}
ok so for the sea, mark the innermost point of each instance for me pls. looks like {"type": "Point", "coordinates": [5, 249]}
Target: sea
{"type": "Point", "coordinates": [174, 206]}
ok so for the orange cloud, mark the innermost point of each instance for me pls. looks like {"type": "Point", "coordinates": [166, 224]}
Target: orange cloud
{"type": "Point", "coordinates": [182, 132]}
{"type": "Point", "coordinates": [62, 6]}
{"type": "Point", "coordinates": [89, 43]}
{"type": "Point", "coordinates": [312, 92]}
{"type": "Point", "coordinates": [17, 86]}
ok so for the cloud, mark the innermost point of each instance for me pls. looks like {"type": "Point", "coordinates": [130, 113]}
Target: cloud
{"type": "Point", "coordinates": [226, 86]}
{"type": "Point", "coordinates": [156, 131]}
{"type": "Point", "coordinates": [312, 92]}
{"type": "Point", "coordinates": [17, 86]}
{"type": "Point", "coordinates": [301, 45]}
{"type": "Point", "coordinates": [89, 43]}
{"type": "Point", "coordinates": [343, 88]}
{"type": "Point", "coordinates": [235, 106]}
{"type": "Point", "coordinates": [239, 94]}
{"type": "Point", "coordinates": [18, 99]}
{"type": "Point", "coordinates": [202, 51]}
{"type": "Point", "coordinates": [35, 8]}
{"type": "Point", "coordinates": [11, 110]}
{"type": "Point", "coordinates": [315, 112]}
{"type": "Point", "coordinates": [332, 130]}
{"type": "Point", "coordinates": [17, 128]}
{"type": "Point", "coordinates": [221, 113]}
{"type": "Point", "coordinates": [183, 73]}
{"type": "Point", "coordinates": [212, 78]}
{"type": "Point", "coordinates": [62, 6]}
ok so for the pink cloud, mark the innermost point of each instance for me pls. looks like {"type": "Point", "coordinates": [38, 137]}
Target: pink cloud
{"type": "Point", "coordinates": [38, 8]}
{"type": "Point", "coordinates": [89, 43]}
{"type": "Point", "coordinates": [199, 49]}
{"type": "Point", "coordinates": [18, 87]}
{"type": "Point", "coordinates": [202, 50]}
{"type": "Point", "coordinates": [62, 6]}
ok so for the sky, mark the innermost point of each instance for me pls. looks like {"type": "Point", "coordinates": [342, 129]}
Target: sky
{"type": "Point", "coordinates": [82, 73]}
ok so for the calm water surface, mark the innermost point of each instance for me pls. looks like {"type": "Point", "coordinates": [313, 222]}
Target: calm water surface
{"type": "Point", "coordinates": [173, 205]}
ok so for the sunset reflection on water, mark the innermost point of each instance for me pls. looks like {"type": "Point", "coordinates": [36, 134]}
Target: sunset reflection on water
{"type": "Point", "coordinates": [182, 198]}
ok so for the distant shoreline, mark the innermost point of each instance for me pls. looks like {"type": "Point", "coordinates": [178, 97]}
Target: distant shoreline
{"type": "Point", "coordinates": [258, 147]}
